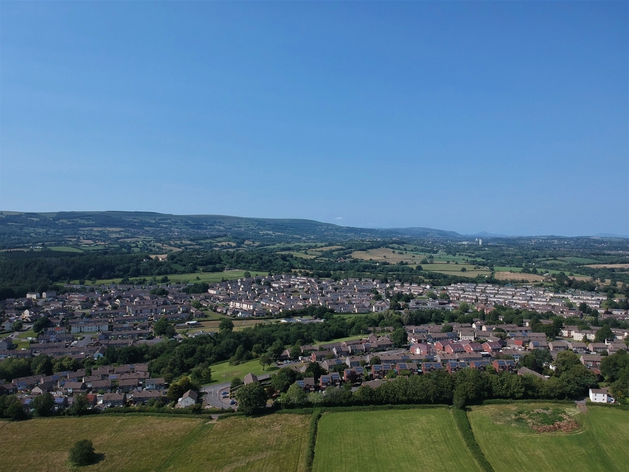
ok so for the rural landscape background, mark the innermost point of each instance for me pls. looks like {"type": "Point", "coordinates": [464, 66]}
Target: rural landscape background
{"type": "Point", "coordinates": [314, 236]}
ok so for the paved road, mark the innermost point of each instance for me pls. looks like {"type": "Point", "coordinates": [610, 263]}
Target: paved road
{"type": "Point", "coordinates": [214, 395]}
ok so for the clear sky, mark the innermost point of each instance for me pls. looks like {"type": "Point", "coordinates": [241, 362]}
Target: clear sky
{"type": "Point", "coordinates": [500, 116]}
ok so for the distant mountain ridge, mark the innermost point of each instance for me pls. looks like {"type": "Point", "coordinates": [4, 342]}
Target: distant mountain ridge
{"type": "Point", "coordinates": [58, 227]}
{"type": "Point", "coordinates": [18, 229]}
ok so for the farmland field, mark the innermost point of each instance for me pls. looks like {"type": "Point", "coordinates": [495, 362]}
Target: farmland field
{"type": "Point", "coordinates": [519, 276]}
{"type": "Point", "coordinates": [597, 444]}
{"type": "Point", "coordinates": [396, 440]}
{"type": "Point", "coordinates": [386, 254]}
{"type": "Point", "coordinates": [609, 266]}
{"type": "Point", "coordinates": [144, 443]}
{"type": "Point", "coordinates": [271, 443]}
{"type": "Point", "coordinates": [43, 444]}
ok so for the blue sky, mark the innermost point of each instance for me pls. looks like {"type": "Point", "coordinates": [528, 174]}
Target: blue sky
{"type": "Point", "coordinates": [507, 117]}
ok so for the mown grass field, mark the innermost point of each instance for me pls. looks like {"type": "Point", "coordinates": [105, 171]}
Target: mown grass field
{"type": "Point", "coordinates": [275, 443]}
{"type": "Point", "coordinates": [387, 254]}
{"type": "Point", "coordinates": [600, 444]}
{"type": "Point", "coordinates": [144, 443]}
{"type": "Point", "coordinates": [223, 372]}
{"type": "Point", "coordinates": [212, 325]}
{"type": "Point", "coordinates": [396, 440]}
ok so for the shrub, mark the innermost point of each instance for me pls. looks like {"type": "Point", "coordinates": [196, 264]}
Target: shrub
{"type": "Point", "coordinates": [82, 453]}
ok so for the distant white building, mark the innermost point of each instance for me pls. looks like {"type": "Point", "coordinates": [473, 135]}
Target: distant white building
{"type": "Point", "coordinates": [601, 395]}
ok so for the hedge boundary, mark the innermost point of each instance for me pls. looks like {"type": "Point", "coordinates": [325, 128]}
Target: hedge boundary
{"type": "Point", "coordinates": [312, 438]}
{"type": "Point", "coordinates": [463, 423]}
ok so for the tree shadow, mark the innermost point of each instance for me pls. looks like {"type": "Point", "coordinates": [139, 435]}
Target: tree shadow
{"type": "Point", "coordinates": [98, 457]}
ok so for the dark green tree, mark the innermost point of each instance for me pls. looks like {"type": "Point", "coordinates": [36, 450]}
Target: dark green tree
{"type": "Point", "coordinates": [163, 328]}
{"type": "Point", "coordinates": [82, 453]}
{"type": "Point", "coordinates": [283, 379]}
{"type": "Point", "coordinates": [43, 404]}
{"type": "Point", "coordinates": [80, 405]}
{"type": "Point", "coordinates": [399, 337]}
{"type": "Point", "coordinates": [226, 326]}
{"type": "Point", "coordinates": [603, 334]}
{"type": "Point", "coordinates": [251, 398]}
{"type": "Point", "coordinates": [265, 360]}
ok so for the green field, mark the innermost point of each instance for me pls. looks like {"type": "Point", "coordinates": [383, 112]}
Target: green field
{"type": "Point", "coordinates": [223, 372]}
{"type": "Point", "coordinates": [579, 260]}
{"type": "Point", "coordinates": [212, 325]}
{"type": "Point", "coordinates": [274, 443]}
{"type": "Point", "coordinates": [599, 444]}
{"type": "Point", "coordinates": [144, 443]}
{"type": "Point", "coordinates": [65, 249]}
{"type": "Point", "coordinates": [129, 443]}
{"type": "Point", "coordinates": [396, 440]}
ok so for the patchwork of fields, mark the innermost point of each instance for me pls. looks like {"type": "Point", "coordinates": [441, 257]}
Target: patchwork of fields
{"type": "Point", "coordinates": [513, 437]}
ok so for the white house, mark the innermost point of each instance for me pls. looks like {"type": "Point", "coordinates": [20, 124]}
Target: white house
{"type": "Point", "coordinates": [601, 395]}
{"type": "Point", "coordinates": [189, 398]}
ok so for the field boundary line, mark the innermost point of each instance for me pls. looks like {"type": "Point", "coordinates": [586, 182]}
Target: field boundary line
{"type": "Point", "coordinates": [312, 438]}
{"type": "Point", "coordinates": [463, 424]}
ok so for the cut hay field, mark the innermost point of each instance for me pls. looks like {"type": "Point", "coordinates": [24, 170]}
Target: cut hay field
{"type": "Point", "coordinates": [396, 440]}
{"type": "Point", "coordinates": [144, 443]}
{"type": "Point", "coordinates": [509, 444]}
{"type": "Point", "coordinates": [519, 276]}
{"type": "Point", "coordinates": [609, 266]}
{"type": "Point", "coordinates": [274, 443]}
{"type": "Point", "coordinates": [129, 443]}
{"type": "Point", "coordinates": [455, 269]}
{"type": "Point", "coordinates": [386, 254]}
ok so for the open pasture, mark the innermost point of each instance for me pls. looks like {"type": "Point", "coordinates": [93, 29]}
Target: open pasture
{"type": "Point", "coordinates": [396, 440]}
{"type": "Point", "coordinates": [510, 444]}
{"type": "Point", "coordinates": [271, 443]}
{"type": "Point", "coordinates": [137, 443]}
{"type": "Point", "coordinates": [207, 326]}
{"type": "Point", "coordinates": [145, 443]}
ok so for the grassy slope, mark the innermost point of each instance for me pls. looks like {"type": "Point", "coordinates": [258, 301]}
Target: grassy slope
{"type": "Point", "coordinates": [271, 443]}
{"type": "Point", "coordinates": [398, 440]}
{"type": "Point", "coordinates": [129, 443]}
{"type": "Point", "coordinates": [223, 372]}
{"type": "Point", "coordinates": [600, 445]}
{"type": "Point", "coordinates": [144, 443]}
